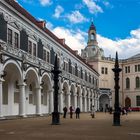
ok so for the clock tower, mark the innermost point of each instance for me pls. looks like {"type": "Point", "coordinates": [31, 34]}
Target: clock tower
{"type": "Point", "coordinates": [92, 50]}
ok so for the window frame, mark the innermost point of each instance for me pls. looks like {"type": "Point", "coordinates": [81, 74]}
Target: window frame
{"type": "Point", "coordinates": [33, 46]}
{"type": "Point", "coordinates": [127, 83]}
{"type": "Point", "coordinates": [14, 32]}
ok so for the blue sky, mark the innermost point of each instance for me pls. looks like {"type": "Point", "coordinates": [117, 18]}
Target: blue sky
{"type": "Point", "coordinates": [117, 22]}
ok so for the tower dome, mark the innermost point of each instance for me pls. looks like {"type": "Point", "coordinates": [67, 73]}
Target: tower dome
{"type": "Point", "coordinates": [92, 26]}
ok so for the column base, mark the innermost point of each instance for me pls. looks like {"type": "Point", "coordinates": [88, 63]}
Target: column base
{"type": "Point", "coordinates": [55, 118]}
{"type": "Point", "coordinates": [2, 118]}
{"type": "Point", "coordinates": [23, 116]}
{"type": "Point", "coordinates": [39, 115]}
{"type": "Point", "coordinates": [116, 119]}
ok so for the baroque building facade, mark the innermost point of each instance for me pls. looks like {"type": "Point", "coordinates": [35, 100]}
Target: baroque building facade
{"type": "Point", "coordinates": [27, 52]}
{"type": "Point", "coordinates": [129, 95]}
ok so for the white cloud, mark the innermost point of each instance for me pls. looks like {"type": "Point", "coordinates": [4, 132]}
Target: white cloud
{"type": "Point", "coordinates": [92, 6]}
{"type": "Point", "coordinates": [125, 47]}
{"type": "Point", "coordinates": [58, 11]}
{"type": "Point", "coordinates": [45, 2]}
{"type": "Point", "coordinates": [107, 4]}
{"type": "Point", "coordinates": [79, 6]}
{"type": "Point", "coordinates": [76, 17]}
{"type": "Point", "coordinates": [74, 39]}
{"type": "Point", "coordinates": [77, 40]}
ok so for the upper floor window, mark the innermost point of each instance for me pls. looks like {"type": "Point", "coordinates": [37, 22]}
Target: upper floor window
{"type": "Point", "coordinates": [10, 36]}
{"type": "Point", "coordinates": [127, 83]}
{"type": "Point", "coordinates": [76, 70]}
{"type": "Point", "coordinates": [64, 67]}
{"type": "Point", "coordinates": [32, 47]}
{"type": "Point", "coordinates": [137, 68]}
{"type": "Point", "coordinates": [13, 37]}
{"type": "Point", "coordinates": [46, 55]}
{"type": "Point", "coordinates": [137, 82]}
{"type": "Point", "coordinates": [104, 70]}
{"type": "Point", "coordinates": [16, 40]}
{"type": "Point", "coordinates": [127, 69]}
{"type": "Point", "coordinates": [73, 70]}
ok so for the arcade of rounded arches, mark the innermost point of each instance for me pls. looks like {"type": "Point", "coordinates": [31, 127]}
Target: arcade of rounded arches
{"type": "Point", "coordinates": [26, 92]}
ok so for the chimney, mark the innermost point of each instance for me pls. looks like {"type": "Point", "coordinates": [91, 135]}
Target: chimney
{"type": "Point", "coordinates": [42, 23]}
{"type": "Point", "coordinates": [62, 41]}
{"type": "Point", "coordinates": [76, 52]}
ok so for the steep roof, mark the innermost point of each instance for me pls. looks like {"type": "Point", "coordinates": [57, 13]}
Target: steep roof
{"type": "Point", "coordinates": [21, 10]}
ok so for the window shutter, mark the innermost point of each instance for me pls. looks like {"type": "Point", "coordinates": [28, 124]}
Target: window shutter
{"type": "Point", "coordinates": [24, 41]}
{"type": "Point", "coordinates": [3, 29]}
{"type": "Point", "coordinates": [52, 56]}
{"type": "Point", "coordinates": [40, 49]}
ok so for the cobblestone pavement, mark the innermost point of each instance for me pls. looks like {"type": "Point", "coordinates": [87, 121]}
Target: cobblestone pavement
{"type": "Point", "coordinates": [85, 128]}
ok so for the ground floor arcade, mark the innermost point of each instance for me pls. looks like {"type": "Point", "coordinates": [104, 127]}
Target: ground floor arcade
{"type": "Point", "coordinates": [27, 92]}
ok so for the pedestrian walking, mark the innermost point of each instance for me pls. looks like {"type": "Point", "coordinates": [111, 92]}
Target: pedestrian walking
{"type": "Point", "coordinates": [71, 111]}
{"type": "Point", "coordinates": [77, 111]}
{"type": "Point", "coordinates": [65, 112]}
{"type": "Point", "coordinates": [93, 112]}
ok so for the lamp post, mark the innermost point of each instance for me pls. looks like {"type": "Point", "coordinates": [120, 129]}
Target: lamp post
{"type": "Point", "coordinates": [116, 70]}
{"type": "Point", "coordinates": [55, 114]}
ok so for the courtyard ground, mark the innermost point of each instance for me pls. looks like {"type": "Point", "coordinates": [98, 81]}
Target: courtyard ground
{"type": "Point", "coordinates": [85, 128]}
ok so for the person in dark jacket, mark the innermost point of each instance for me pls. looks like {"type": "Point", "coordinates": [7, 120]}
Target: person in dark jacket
{"type": "Point", "coordinates": [71, 111]}
{"type": "Point", "coordinates": [65, 112]}
{"type": "Point", "coordinates": [77, 111]}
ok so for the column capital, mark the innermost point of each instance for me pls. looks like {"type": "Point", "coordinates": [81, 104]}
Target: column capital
{"type": "Point", "coordinates": [22, 84]}
{"type": "Point", "coordinates": [38, 87]}
{"type": "Point", "coordinates": [2, 80]}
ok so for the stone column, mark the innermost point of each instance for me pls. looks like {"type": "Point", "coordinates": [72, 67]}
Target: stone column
{"type": "Point", "coordinates": [38, 101]}
{"type": "Point", "coordinates": [61, 102]}
{"type": "Point", "coordinates": [68, 97]}
{"type": "Point", "coordinates": [85, 98]}
{"type": "Point", "coordinates": [75, 100]}
{"type": "Point", "coordinates": [22, 100]}
{"type": "Point", "coordinates": [80, 102]}
{"type": "Point", "coordinates": [51, 101]}
{"type": "Point", "coordinates": [88, 103]}
{"type": "Point", "coordinates": [1, 98]}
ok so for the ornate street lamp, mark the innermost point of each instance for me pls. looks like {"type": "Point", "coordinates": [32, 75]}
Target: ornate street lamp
{"type": "Point", "coordinates": [56, 72]}
{"type": "Point", "coordinates": [116, 70]}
